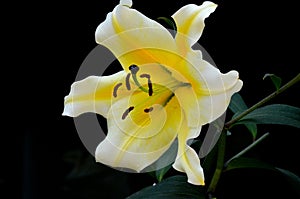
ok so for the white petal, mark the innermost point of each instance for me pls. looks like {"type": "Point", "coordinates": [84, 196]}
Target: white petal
{"type": "Point", "coordinates": [213, 88]}
{"type": "Point", "coordinates": [215, 92]}
{"type": "Point", "coordinates": [126, 3]}
{"type": "Point", "coordinates": [135, 39]}
{"type": "Point", "coordinates": [188, 100]}
{"type": "Point", "coordinates": [140, 138]}
{"type": "Point", "coordinates": [190, 22]}
{"type": "Point", "coordinates": [187, 159]}
{"type": "Point", "coordinates": [92, 94]}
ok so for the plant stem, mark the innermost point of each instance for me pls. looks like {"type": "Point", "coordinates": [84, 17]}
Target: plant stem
{"type": "Point", "coordinates": [220, 162]}
{"type": "Point", "coordinates": [247, 148]}
{"type": "Point", "coordinates": [293, 81]}
{"type": "Point", "coordinates": [222, 141]}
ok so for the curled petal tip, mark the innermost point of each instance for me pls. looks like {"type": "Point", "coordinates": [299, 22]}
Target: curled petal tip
{"type": "Point", "coordinates": [126, 3]}
{"type": "Point", "coordinates": [233, 74]}
{"type": "Point", "coordinates": [200, 182]}
{"type": "Point", "coordinates": [210, 3]}
{"type": "Point", "coordinates": [66, 112]}
{"type": "Point", "coordinates": [239, 85]}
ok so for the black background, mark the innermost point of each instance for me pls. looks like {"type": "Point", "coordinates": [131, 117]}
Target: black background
{"type": "Point", "coordinates": [47, 43]}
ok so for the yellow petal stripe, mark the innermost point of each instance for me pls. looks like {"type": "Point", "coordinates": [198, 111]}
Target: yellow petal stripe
{"type": "Point", "coordinates": [92, 94]}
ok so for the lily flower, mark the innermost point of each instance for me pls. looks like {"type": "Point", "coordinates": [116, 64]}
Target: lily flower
{"type": "Point", "coordinates": [166, 91]}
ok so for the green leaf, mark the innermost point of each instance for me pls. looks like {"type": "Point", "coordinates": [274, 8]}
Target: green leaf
{"type": "Point", "coordinates": [275, 79]}
{"type": "Point", "coordinates": [169, 22]}
{"type": "Point", "coordinates": [292, 179]}
{"type": "Point", "coordinates": [238, 105]}
{"type": "Point", "coordinates": [242, 163]}
{"type": "Point", "coordinates": [161, 172]}
{"type": "Point", "coordinates": [175, 187]}
{"type": "Point", "coordinates": [245, 150]}
{"type": "Point", "coordinates": [274, 114]}
{"type": "Point", "coordinates": [249, 163]}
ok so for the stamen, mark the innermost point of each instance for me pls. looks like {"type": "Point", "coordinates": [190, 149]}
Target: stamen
{"type": "Point", "coordinates": [127, 112]}
{"type": "Point", "coordinates": [150, 87]}
{"type": "Point", "coordinates": [134, 69]}
{"type": "Point", "coordinates": [127, 82]}
{"type": "Point", "coordinates": [116, 89]}
{"type": "Point", "coordinates": [168, 99]}
{"type": "Point", "coordinates": [145, 76]}
{"type": "Point", "coordinates": [150, 90]}
{"type": "Point", "coordinates": [147, 110]}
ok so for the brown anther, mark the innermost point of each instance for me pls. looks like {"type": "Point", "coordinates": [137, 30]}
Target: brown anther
{"type": "Point", "coordinates": [127, 81]}
{"type": "Point", "coordinates": [127, 112]}
{"type": "Point", "coordinates": [147, 110]}
{"type": "Point", "coordinates": [150, 90]}
{"type": "Point", "coordinates": [145, 76]}
{"type": "Point", "coordinates": [116, 89]}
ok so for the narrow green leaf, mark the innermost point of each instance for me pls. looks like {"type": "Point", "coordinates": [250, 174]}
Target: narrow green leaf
{"type": "Point", "coordinates": [175, 187]}
{"type": "Point", "coordinates": [275, 79]}
{"type": "Point", "coordinates": [238, 105]}
{"type": "Point", "coordinates": [242, 163]}
{"type": "Point", "coordinates": [245, 150]}
{"type": "Point", "coordinates": [274, 114]}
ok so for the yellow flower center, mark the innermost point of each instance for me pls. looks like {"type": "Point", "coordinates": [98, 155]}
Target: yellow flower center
{"type": "Point", "coordinates": [145, 96]}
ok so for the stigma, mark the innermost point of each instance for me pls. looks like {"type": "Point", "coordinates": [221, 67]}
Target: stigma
{"type": "Point", "coordinates": [134, 68]}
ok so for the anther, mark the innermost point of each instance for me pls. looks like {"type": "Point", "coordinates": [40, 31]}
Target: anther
{"type": "Point", "coordinates": [134, 68]}
{"type": "Point", "coordinates": [147, 110]}
{"type": "Point", "coordinates": [127, 81]}
{"type": "Point", "coordinates": [150, 89]}
{"type": "Point", "coordinates": [127, 112]}
{"type": "Point", "coordinates": [145, 76]}
{"type": "Point", "coordinates": [116, 89]}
